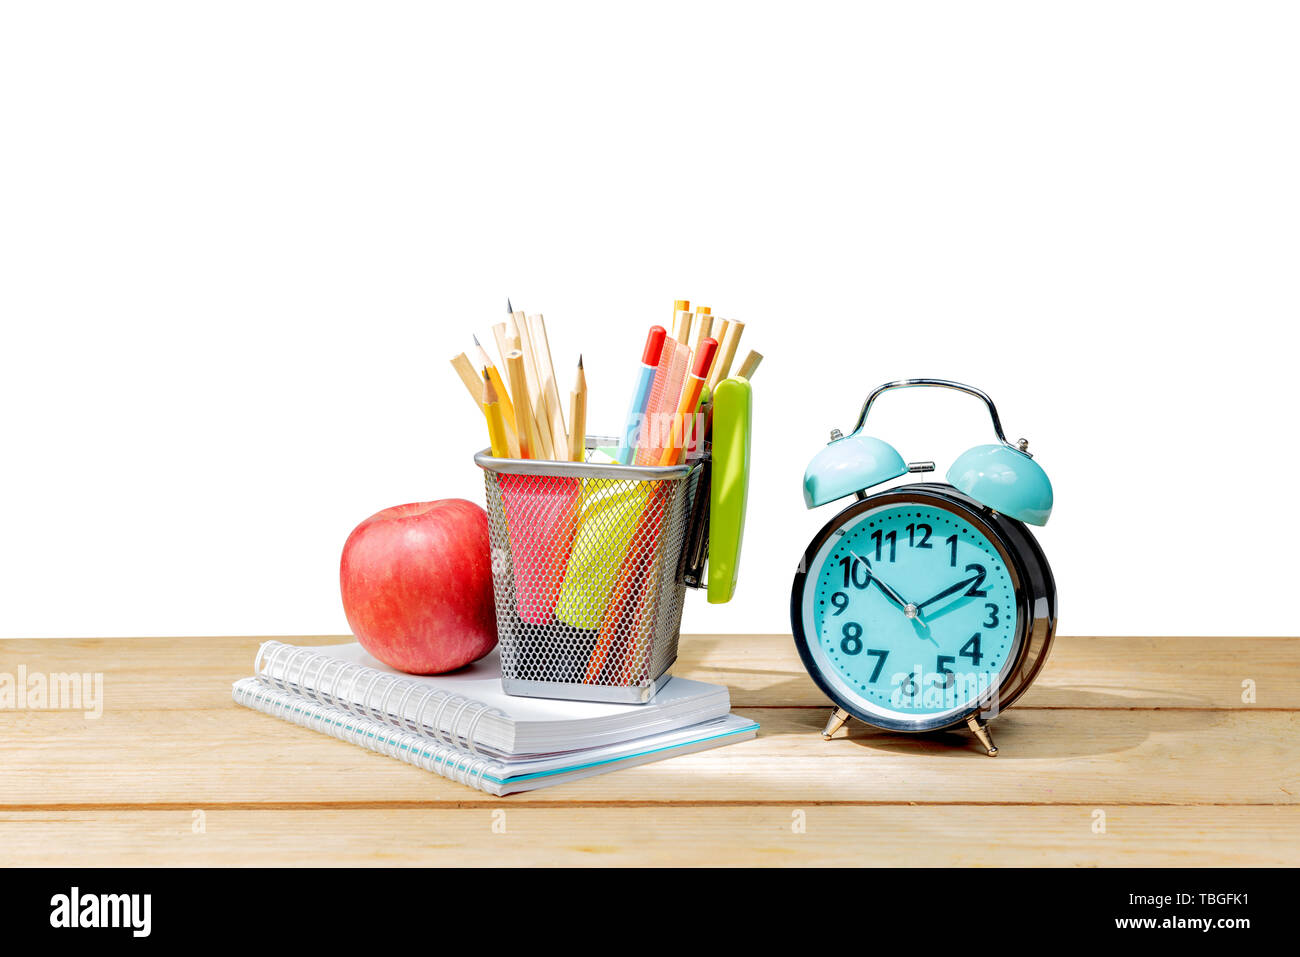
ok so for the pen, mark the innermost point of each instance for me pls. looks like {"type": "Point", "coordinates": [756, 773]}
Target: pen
{"type": "Point", "coordinates": [654, 345]}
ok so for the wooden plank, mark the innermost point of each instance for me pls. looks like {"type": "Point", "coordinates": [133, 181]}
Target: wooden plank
{"type": "Point", "coordinates": [150, 673]}
{"type": "Point", "coordinates": [739, 836]}
{"type": "Point", "coordinates": [233, 756]}
{"type": "Point", "coordinates": [1081, 672]}
{"type": "Point", "coordinates": [764, 670]}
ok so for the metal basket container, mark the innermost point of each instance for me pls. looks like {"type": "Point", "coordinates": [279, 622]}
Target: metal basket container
{"type": "Point", "coordinates": [587, 570]}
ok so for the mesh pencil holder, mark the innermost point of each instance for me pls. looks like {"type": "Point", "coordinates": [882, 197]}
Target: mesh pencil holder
{"type": "Point", "coordinates": [587, 567]}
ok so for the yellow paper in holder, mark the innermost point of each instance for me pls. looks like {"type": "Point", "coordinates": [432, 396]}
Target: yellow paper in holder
{"type": "Point", "coordinates": [610, 515]}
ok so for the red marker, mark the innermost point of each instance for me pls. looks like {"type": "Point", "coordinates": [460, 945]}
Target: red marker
{"type": "Point", "coordinates": [654, 346]}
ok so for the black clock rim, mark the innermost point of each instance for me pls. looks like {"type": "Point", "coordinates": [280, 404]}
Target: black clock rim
{"type": "Point", "coordinates": [1017, 548]}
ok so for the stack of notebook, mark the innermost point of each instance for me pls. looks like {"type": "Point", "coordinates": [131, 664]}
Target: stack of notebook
{"type": "Point", "coordinates": [464, 727]}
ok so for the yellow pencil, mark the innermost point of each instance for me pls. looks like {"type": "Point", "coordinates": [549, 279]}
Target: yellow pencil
{"type": "Point", "coordinates": [495, 423]}
{"type": "Point", "coordinates": [503, 396]}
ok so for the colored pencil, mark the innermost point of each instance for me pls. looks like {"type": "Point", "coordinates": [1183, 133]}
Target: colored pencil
{"type": "Point", "coordinates": [750, 365]}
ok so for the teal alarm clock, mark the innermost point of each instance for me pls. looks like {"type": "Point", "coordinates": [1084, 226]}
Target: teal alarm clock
{"type": "Point", "coordinates": [925, 606]}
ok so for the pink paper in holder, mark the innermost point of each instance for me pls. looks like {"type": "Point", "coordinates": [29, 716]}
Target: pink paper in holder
{"type": "Point", "coordinates": [541, 519]}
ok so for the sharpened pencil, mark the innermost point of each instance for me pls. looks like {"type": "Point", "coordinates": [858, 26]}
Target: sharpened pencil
{"type": "Point", "coordinates": [578, 417]}
{"type": "Point", "coordinates": [503, 397]}
{"type": "Point", "coordinates": [495, 423]}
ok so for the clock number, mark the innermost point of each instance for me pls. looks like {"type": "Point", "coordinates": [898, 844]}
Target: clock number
{"type": "Point", "coordinates": [975, 591]}
{"type": "Point", "coordinates": [851, 643]}
{"type": "Point", "coordinates": [942, 668]}
{"type": "Point", "coordinates": [993, 615]}
{"type": "Point", "coordinates": [926, 531]}
{"type": "Point", "coordinates": [840, 601]}
{"type": "Point", "coordinates": [880, 657]}
{"type": "Point", "coordinates": [952, 543]}
{"type": "Point", "coordinates": [880, 538]}
{"type": "Point", "coordinates": [910, 687]}
{"type": "Point", "coordinates": [851, 564]}
{"type": "Point", "coordinates": [971, 650]}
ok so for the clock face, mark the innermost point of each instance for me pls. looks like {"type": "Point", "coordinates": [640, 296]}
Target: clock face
{"type": "Point", "coordinates": [910, 613]}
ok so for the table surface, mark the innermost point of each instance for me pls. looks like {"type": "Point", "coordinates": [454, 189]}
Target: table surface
{"type": "Point", "coordinates": [1127, 751]}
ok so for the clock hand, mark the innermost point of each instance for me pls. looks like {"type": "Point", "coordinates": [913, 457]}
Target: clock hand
{"type": "Point", "coordinates": [934, 613]}
{"type": "Point", "coordinates": [892, 595]}
{"type": "Point", "coordinates": [948, 591]}
{"type": "Point", "coordinates": [880, 583]}
{"type": "Point", "coordinates": [913, 612]}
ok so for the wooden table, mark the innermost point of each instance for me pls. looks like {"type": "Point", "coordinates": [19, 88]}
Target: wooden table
{"type": "Point", "coordinates": [1133, 751]}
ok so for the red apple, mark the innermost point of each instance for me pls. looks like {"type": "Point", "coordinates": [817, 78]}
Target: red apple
{"type": "Point", "coordinates": [417, 586]}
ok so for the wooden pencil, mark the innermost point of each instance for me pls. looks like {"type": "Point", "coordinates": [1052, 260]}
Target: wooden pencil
{"type": "Point", "coordinates": [724, 327]}
{"type": "Point", "coordinates": [496, 422]}
{"type": "Point", "coordinates": [705, 329]}
{"type": "Point", "coordinates": [528, 440]}
{"type": "Point", "coordinates": [683, 335]}
{"type": "Point", "coordinates": [726, 352]}
{"type": "Point", "coordinates": [535, 394]}
{"type": "Point", "coordinates": [681, 314]}
{"type": "Point", "coordinates": [546, 369]}
{"type": "Point", "coordinates": [750, 365]}
{"type": "Point", "coordinates": [503, 397]}
{"type": "Point", "coordinates": [473, 384]}
{"type": "Point", "coordinates": [513, 341]}
{"type": "Point", "coordinates": [504, 348]}
{"type": "Point", "coordinates": [578, 417]}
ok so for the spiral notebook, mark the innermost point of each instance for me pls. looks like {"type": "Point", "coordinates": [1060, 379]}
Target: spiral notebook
{"type": "Point", "coordinates": [463, 727]}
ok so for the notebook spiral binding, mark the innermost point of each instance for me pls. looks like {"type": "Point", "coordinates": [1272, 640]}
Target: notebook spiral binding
{"type": "Point", "coordinates": [442, 758]}
{"type": "Point", "coordinates": [334, 683]}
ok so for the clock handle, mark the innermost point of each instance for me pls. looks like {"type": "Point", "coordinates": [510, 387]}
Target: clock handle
{"type": "Point", "coordinates": [935, 383]}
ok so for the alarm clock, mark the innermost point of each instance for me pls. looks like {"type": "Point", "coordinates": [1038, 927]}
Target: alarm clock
{"type": "Point", "coordinates": [925, 606]}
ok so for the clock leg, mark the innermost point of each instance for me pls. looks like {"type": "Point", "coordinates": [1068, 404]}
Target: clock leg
{"type": "Point", "coordinates": [837, 719]}
{"type": "Point", "coordinates": [981, 731]}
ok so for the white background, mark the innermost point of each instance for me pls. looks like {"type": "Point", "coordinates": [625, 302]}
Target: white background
{"type": "Point", "coordinates": [239, 243]}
